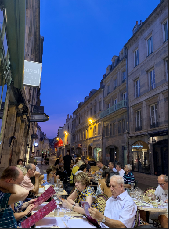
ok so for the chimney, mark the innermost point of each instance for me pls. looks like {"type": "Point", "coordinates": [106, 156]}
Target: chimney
{"type": "Point", "coordinates": [136, 22]}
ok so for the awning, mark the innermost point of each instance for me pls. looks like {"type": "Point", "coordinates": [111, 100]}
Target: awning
{"type": "Point", "coordinates": [15, 26]}
{"type": "Point", "coordinates": [60, 143]}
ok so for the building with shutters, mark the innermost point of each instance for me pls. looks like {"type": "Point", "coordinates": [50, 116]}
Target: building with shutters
{"type": "Point", "coordinates": [148, 93]}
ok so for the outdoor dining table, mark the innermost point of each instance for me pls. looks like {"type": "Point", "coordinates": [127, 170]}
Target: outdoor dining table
{"type": "Point", "coordinates": [53, 220]}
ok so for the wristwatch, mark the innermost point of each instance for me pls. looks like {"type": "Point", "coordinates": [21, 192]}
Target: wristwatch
{"type": "Point", "coordinates": [104, 219]}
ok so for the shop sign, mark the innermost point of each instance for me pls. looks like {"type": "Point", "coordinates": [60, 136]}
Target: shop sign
{"type": "Point", "coordinates": [32, 73]}
{"type": "Point", "coordinates": [137, 146]}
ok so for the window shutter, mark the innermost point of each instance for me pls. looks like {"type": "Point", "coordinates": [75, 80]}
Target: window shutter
{"type": "Point", "coordinates": [153, 79]}
{"type": "Point", "coordinates": [151, 44]}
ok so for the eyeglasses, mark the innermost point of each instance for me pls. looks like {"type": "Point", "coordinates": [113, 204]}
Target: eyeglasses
{"type": "Point", "coordinates": [161, 184]}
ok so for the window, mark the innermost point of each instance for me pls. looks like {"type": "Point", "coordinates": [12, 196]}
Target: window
{"type": "Point", "coordinates": [99, 128]}
{"type": "Point", "coordinates": [138, 120]}
{"type": "Point", "coordinates": [166, 68]}
{"type": "Point", "coordinates": [95, 109]}
{"type": "Point", "coordinates": [124, 96]}
{"type": "Point", "coordinates": [119, 127]}
{"type": "Point", "coordinates": [100, 105]}
{"type": "Point", "coordinates": [137, 88]}
{"type": "Point", "coordinates": [165, 31]}
{"type": "Point", "coordinates": [149, 46]}
{"type": "Point", "coordinates": [136, 58]}
{"type": "Point", "coordinates": [123, 76]}
{"type": "Point", "coordinates": [90, 111]}
{"type": "Point", "coordinates": [114, 130]}
{"type": "Point", "coordinates": [123, 125]}
{"type": "Point", "coordinates": [107, 130]}
{"type": "Point", "coordinates": [110, 129]}
{"type": "Point", "coordinates": [153, 115]}
{"type": "Point", "coordinates": [95, 131]}
{"type": "Point", "coordinates": [115, 83]}
{"type": "Point", "coordinates": [151, 79]}
{"type": "Point", "coordinates": [108, 89]}
{"type": "Point", "coordinates": [115, 104]}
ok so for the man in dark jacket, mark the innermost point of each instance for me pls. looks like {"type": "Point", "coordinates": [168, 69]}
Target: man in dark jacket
{"type": "Point", "coordinates": [67, 160]}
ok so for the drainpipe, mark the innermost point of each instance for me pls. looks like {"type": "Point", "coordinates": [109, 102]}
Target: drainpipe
{"type": "Point", "coordinates": [128, 151]}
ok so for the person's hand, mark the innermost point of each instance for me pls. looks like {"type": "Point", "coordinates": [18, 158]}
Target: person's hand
{"type": "Point", "coordinates": [29, 208]}
{"type": "Point", "coordinates": [37, 174]}
{"type": "Point", "coordinates": [95, 214]}
{"type": "Point", "coordinates": [32, 201]}
{"type": "Point", "coordinates": [67, 204]}
{"type": "Point", "coordinates": [166, 201]}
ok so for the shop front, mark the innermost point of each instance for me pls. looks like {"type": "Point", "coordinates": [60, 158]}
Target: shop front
{"type": "Point", "coordinates": [97, 153]}
{"type": "Point", "coordinates": [140, 157]}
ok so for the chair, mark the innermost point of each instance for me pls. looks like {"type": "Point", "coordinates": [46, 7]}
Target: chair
{"type": "Point", "coordinates": [101, 202]}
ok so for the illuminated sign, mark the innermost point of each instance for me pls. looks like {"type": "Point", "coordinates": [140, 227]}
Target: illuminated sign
{"type": "Point", "coordinates": [32, 73]}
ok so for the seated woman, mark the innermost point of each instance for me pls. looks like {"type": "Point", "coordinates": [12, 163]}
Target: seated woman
{"type": "Point", "coordinates": [82, 192]}
{"type": "Point", "coordinates": [104, 183]}
{"type": "Point", "coordinates": [82, 168]}
{"type": "Point", "coordinates": [51, 173]}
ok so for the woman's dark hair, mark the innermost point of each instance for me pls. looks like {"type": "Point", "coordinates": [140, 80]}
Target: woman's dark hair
{"type": "Point", "coordinates": [19, 161]}
{"type": "Point", "coordinates": [76, 161]}
{"type": "Point", "coordinates": [106, 175]}
{"type": "Point", "coordinates": [82, 167]}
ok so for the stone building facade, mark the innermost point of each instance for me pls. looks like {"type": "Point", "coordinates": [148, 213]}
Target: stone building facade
{"type": "Point", "coordinates": [114, 116]}
{"type": "Point", "coordinates": [87, 128]}
{"type": "Point", "coordinates": [17, 130]}
{"type": "Point", "coordinates": [148, 93]}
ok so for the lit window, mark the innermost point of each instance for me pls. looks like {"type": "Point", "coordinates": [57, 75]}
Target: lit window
{"type": "Point", "coordinates": [149, 46]}
{"type": "Point", "coordinates": [136, 58]}
{"type": "Point", "coordinates": [151, 79]}
{"type": "Point", "coordinates": [137, 88]}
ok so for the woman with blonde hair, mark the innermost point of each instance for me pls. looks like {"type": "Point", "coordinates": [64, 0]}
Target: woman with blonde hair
{"type": "Point", "coordinates": [82, 192]}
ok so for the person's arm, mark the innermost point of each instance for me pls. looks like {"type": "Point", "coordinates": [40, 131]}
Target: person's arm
{"type": "Point", "coordinates": [77, 208]}
{"type": "Point", "coordinates": [20, 194]}
{"type": "Point", "coordinates": [36, 186]}
{"type": "Point", "coordinates": [72, 197]}
{"type": "Point", "coordinates": [20, 215]}
{"type": "Point", "coordinates": [127, 185]}
{"type": "Point", "coordinates": [111, 223]}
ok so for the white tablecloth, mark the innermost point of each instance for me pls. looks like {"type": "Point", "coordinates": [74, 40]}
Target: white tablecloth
{"type": "Point", "coordinates": [58, 221]}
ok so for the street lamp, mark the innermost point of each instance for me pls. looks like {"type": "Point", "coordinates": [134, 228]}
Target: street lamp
{"type": "Point", "coordinates": [66, 133]}
{"type": "Point", "coordinates": [90, 120]}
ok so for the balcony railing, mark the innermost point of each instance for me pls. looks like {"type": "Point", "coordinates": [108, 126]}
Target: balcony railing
{"type": "Point", "coordinates": [115, 107]}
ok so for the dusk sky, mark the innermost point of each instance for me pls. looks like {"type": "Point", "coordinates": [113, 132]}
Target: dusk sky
{"type": "Point", "coordinates": [80, 39]}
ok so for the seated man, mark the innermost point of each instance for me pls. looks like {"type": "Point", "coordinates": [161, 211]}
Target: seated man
{"type": "Point", "coordinates": [101, 166]}
{"type": "Point", "coordinates": [10, 192]}
{"type": "Point", "coordinates": [112, 170]}
{"type": "Point", "coordinates": [119, 169]}
{"type": "Point", "coordinates": [128, 176]}
{"type": "Point", "coordinates": [120, 209]}
{"type": "Point", "coordinates": [162, 192]}
{"type": "Point", "coordinates": [26, 183]}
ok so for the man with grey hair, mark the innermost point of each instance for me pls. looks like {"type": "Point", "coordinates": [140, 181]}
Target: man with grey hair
{"type": "Point", "coordinates": [120, 209]}
{"type": "Point", "coordinates": [129, 178]}
{"type": "Point", "coordinates": [26, 183]}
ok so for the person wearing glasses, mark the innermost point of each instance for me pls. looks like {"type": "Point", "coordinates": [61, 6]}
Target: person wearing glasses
{"type": "Point", "coordinates": [162, 193]}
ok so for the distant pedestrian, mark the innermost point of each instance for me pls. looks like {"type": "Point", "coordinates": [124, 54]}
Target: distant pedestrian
{"type": "Point", "coordinates": [67, 160]}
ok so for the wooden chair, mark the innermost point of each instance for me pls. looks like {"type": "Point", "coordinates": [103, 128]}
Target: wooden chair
{"type": "Point", "coordinates": [101, 202]}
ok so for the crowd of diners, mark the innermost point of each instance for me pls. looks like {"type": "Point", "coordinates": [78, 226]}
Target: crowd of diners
{"type": "Point", "coordinates": [19, 186]}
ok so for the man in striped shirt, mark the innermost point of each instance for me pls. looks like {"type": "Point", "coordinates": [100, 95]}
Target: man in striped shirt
{"type": "Point", "coordinates": [128, 176]}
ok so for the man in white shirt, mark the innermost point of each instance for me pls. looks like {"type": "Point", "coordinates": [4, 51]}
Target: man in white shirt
{"type": "Point", "coordinates": [119, 169]}
{"type": "Point", "coordinates": [120, 209]}
{"type": "Point", "coordinates": [162, 192]}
